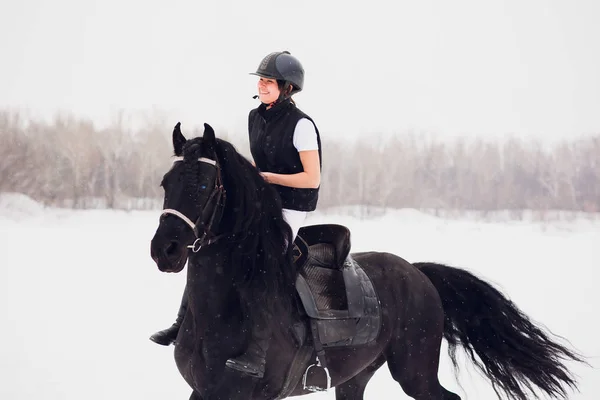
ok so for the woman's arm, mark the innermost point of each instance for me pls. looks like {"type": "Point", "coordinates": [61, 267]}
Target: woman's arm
{"type": "Point", "coordinates": [310, 178]}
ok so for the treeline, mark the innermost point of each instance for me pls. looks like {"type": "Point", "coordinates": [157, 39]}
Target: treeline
{"type": "Point", "coordinates": [71, 163]}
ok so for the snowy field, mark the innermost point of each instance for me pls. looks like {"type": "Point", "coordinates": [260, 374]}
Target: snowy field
{"type": "Point", "coordinates": [79, 295]}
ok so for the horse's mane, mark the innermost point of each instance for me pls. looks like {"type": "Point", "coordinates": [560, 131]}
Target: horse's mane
{"type": "Point", "coordinates": [261, 260]}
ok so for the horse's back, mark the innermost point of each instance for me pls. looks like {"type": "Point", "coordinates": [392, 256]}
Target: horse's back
{"type": "Point", "coordinates": [400, 286]}
{"type": "Point", "coordinates": [389, 267]}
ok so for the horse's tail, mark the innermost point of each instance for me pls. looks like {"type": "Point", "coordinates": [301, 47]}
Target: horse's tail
{"type": "Point", "coordinates": [513, 353]}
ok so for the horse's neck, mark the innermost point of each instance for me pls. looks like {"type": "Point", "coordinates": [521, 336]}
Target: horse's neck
{"type": "Point", "coordinates": [216, 304]}
{"type": "Point", "coordinates": [209, 300]}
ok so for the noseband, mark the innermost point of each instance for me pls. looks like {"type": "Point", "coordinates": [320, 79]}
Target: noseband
{"type": "Point", "coordinates": [218, 196]}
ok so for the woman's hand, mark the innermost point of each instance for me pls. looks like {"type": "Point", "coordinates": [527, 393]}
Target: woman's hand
{"type": "Point", "coordinates": [310, 178]}
{"type": "Point", "coordinates": [267, 176]}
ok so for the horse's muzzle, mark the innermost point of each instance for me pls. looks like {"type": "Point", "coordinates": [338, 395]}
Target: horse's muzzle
{"type": "Point", "coordinates": [169, 255]}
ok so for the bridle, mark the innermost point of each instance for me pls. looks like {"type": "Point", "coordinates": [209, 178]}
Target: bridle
{"type": "Point", "coordinates": [217, 196]}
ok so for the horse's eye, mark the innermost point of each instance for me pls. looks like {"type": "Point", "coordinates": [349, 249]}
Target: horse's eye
{"type": "Point", "coordinates": [202, 187]}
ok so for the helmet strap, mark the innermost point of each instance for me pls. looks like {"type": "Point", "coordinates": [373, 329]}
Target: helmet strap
{"type": "Point", "coordinates": [285, 91]}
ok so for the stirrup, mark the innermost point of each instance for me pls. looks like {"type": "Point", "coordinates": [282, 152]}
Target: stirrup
{"type": "Point", "coordinates": [314, 388]}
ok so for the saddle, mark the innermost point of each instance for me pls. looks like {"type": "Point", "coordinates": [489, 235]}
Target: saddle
{"type": "Point", "coordinates": [340, 306]}
{"type": "Point", "coordinates": [336, 293]}
{"type": "Point", "coordinates": [339, 302]}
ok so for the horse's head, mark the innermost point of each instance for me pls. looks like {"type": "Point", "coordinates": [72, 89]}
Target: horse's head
{"type": "Point", "coordinates": [193, 202]}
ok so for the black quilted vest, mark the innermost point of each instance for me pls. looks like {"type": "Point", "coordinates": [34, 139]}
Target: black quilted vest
{"type": "Point", "coordinates": [271, 144]}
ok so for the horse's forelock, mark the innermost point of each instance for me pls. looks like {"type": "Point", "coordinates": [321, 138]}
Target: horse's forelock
{"type": "Point", "coordinates": [193, 148]}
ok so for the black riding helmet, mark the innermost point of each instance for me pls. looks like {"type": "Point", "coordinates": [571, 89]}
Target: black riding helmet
{"type": "Point", "coordinates": [283, 67]}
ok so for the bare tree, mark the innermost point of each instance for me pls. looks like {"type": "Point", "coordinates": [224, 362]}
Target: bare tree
{"type": "Point", "coordinates": [71, 162]}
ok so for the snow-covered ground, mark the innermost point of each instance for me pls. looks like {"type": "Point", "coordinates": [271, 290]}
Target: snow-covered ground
{"type": "Point", "coordinates": [79, 295]}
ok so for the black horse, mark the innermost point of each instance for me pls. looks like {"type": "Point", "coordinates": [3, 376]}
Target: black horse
{"type": "Point", "coordinates": [224, 220]}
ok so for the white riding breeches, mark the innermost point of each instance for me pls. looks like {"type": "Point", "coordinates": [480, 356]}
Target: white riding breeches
{"type": "Point", "coordinates": [295, 220]}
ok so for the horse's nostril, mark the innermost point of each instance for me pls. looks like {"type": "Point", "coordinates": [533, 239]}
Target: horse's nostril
{"type": "Point", "coordinates": [171, 248]}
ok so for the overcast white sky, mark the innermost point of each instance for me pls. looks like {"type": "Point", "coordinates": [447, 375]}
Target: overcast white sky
{"type": "Point", "coordinates": [490, 68]}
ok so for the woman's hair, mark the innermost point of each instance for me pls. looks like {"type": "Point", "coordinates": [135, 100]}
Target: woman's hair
{"type": "Point", "coordinates": [283, 86]}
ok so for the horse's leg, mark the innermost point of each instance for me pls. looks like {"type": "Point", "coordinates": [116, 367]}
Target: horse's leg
{"type": "Point", "coordinates": [413, 354]}
{"type": "Point", "coordinates": [354, 388]}
{"type": "Point", "coordinates": [414, 365]}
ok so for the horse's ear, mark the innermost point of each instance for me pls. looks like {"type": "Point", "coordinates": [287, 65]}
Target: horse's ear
{"type": "Point", "coordinates": [209, 134]}
{"type": "Point", "coordinates": [178, 140]}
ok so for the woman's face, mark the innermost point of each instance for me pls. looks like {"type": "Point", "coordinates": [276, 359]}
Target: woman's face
{"type": "Point", "coordinates": [268, 90]}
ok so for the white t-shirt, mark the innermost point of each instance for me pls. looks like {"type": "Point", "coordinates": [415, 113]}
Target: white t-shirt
{"type": "Point", "coordinates": [305, 136]}
{"type": "Point", "coordinates": [305, 139]}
